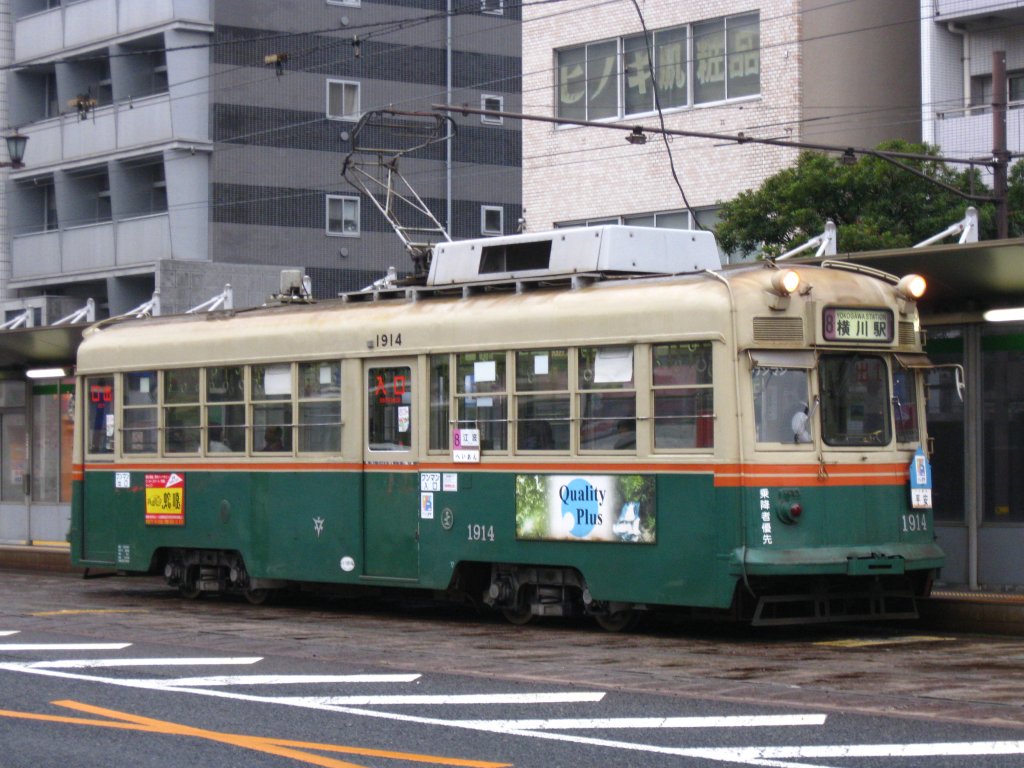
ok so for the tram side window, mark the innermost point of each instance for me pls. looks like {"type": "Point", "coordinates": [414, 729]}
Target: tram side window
{"type": "Point", "coordinates": [440, 402]}
{"type": "Point", "coordinates": [140, 404]}
{"type": "Point", "coordinates": [481, 397]}
{"type": "Point", "coordinates": [272, 408]}
{"type": "Point", "coordinates": [389, 409]}
{"type": "Point", "coordinates": [320, 407]}
{"type": "Point", "coordinates": [542, 400]}
{"type": "Point", "coordinates": [683, 396]}
{"type": "Point", "coordinates": [904, 393]}
{"type": "Point", "coordinates": [854, 400]}
{"type": "Point", "coordinates": [781, 412]}
{"type": "Point", "coordinates": [100, 413]}
{"type": "Point", "coordinates": [181, 410]}
{"type": "Point", "coordinates": [607, 399]}
{"type": "Point", "coordinates": [225, 409]}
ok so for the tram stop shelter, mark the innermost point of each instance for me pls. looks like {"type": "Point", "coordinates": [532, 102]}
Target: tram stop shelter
{"type": "Point", "coordinates": [977, 442]}
{"type": "Point", "coordinates": [36, 433]}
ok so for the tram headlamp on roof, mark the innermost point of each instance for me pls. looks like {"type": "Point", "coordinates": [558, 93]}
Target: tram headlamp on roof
{"type": "Point", "coordinates": [784, 282]}
{"type": "Point", "coordinates": [909, 289]}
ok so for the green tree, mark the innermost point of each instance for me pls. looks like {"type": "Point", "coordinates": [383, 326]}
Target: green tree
{"type": "Point", "coordinates": [874, 203]}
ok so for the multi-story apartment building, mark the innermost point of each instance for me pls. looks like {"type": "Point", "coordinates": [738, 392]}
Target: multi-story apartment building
{"type": "Point", "coordinates": [804, 70]}
{"type": "Point", "coordinates": [176, 146]}
{"type": "Point", "coordinates": [958, 39]}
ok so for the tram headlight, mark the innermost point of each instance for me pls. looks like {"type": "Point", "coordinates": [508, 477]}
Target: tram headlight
{"type": "Point", "coordinates": [911, 287]}
{"type": "Point", "coordinates": [785, 282]}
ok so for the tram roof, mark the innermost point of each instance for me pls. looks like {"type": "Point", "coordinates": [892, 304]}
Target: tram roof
{"type": "Point", "coordinates": [966, 278]}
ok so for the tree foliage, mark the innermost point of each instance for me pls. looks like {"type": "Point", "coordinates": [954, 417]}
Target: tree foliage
{"type": "Point", "coordinates": [874, 203]}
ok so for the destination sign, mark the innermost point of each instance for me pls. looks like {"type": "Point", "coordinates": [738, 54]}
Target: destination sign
{"type": "Point", "coordinates": [859, 325]}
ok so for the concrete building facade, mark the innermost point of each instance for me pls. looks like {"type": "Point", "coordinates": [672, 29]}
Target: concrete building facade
{"type": "Point", "coordinates": [803, 70]}
{"type": "Point", "coordinates": [178, 146]}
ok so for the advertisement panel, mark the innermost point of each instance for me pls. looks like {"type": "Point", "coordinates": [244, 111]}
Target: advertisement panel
{"type": "Point", "coordinates": [611, 508]}
{"type": "Point", "coordinates": [165, 499]}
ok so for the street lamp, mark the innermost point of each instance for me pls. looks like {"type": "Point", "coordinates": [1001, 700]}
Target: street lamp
{"type": "Point", "coordinates": [15, 149]}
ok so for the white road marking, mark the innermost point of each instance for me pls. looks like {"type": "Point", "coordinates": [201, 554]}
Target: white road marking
{"type": "Point", "coordinates": [758, 757]}
{"type": "Point", "coordinates": [8, 632]}
{"type": "Point", "coordinates": [451, 699]}
{"type": "Point", "coordinates": [157, 662]}
{"type": "Point", "coordinates": [202, 682]}
{"type": "Point", "coordinates": [62, 646]}
{"type": "Point", "coordinates": [609, 723]}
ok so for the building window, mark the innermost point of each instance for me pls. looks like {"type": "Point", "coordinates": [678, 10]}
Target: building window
{"type": "Point", "coordinates": [492, 220]}
{"type": "Point", "coordinates": [343, 216]}
{"type": "Point", "coordinates": [724, 63]}
{"type": "Point", "coordinates": [52, 440]}
{"type": "Point", "coordinates": [494, 7]}
{"type": "Point", "coordinates": [342, 100]}
{"type": "Point", "coordinates": [981, 90]}
{"type": "Point", "coordinates": [495, 104]}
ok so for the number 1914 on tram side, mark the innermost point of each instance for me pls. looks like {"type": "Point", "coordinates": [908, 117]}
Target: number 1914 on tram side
{"type": "Point", "coordinates": [597, 421]}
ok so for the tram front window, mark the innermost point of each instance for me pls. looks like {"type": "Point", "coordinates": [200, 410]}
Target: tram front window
{"type": "Point", "coordinates": [781, 412]}
{"type": "Point", "coordinates": [854, 400]}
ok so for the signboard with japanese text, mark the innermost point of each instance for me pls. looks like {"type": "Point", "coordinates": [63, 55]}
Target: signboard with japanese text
{"type": "Point", "coordinates": [860, 325]}
{"type": "Point", "coordinates": [165, 499]}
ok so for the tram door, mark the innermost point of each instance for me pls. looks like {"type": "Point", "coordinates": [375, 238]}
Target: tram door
{"type": "Point", "coordinates": [391, 495]}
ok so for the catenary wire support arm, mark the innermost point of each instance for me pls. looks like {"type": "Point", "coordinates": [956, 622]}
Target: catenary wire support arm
{"type": "Point", "coordinates": [224, 300]}
{"type": "Point", "coordinates": [379, 140]}
{"type": "Point", "coordinates": [967, 228]}
{"type": "Point", "coordinates": [149, 308]}
{"type": "Point", "coordinates": [825, 243]}
{"type": "Point", "coordinates": [19, 320]}
{"type": "Point", "coordinates": [84, 314]}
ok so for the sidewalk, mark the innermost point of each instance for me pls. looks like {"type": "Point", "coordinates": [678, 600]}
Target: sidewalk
{"type": "Point", "coordinates": [1000, 613]}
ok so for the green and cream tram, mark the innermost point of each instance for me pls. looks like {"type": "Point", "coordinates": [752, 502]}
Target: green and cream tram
{"type": "Point", "coordinates": [589, 421]}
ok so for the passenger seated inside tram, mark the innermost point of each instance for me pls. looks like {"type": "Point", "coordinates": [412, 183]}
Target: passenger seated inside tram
{"type": "Point", "coordinates": [272, 439]}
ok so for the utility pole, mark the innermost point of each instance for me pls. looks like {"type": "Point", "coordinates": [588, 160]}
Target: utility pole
{"type": "Point", "coordinates": [1000, 155]}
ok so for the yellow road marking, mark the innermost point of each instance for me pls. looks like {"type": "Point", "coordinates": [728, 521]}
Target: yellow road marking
{"type": "Point", "coordinates": [279, 747]}
{"type": "Point", "coordinates": [867, 643]}
{"type": "Point", "coordinates": [74, 611]}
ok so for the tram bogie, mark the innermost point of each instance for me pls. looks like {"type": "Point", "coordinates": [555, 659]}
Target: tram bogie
{"type": "Point", "coordinates": [543, 441]}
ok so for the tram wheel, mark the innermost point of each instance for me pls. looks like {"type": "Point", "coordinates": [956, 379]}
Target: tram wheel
{"type": "Point", "coordinates": [519, 615]}
{"type": "Point", "coordinates": [619, 621]}
{"type": "Point", "coordinates": [260, 596]}
{"type": "Point", "coordinates": [190, 591]}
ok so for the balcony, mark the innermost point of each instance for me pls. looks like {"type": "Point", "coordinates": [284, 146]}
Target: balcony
{"type": "Point", "coordinates": [105, 130]}
{"type": "Point", "coordinates": [93, 247]}
{"type": "Point", "coordinates": [86, 23]}
{"type": "Point", "coordinates": [968, 132]}
{"type": "Point", "coordinates": [985, 11]}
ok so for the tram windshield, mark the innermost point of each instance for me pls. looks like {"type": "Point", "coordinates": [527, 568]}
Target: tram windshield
{"type": "Point", "coordinates": [854, 400]}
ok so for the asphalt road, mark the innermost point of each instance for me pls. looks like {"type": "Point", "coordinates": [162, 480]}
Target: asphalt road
{"type": "Point", "coordinates": [112, 672]}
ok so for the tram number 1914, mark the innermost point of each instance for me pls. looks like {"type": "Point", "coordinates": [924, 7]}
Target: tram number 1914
{"type": "Point", "coordinates": [914, 522]}
{"type": "Point", "coordinates": [480, 532]}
